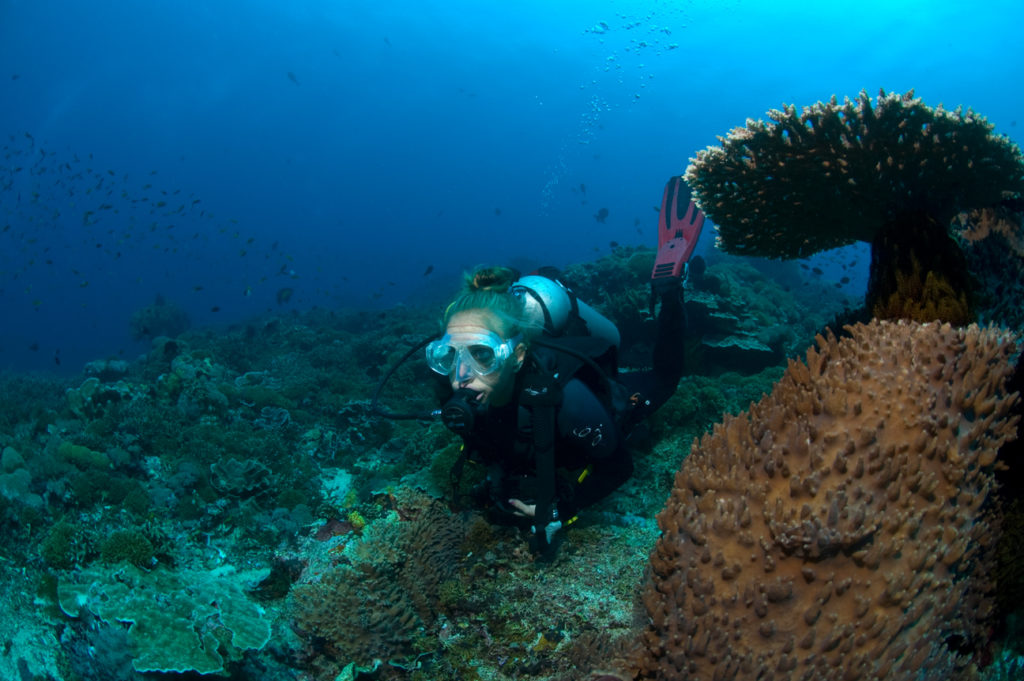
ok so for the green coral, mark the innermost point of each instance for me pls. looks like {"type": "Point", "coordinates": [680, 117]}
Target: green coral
{"type": "Point", "coordinates": [64, 546]}
{"type": "Point", "coordinates": [82, 456]}
{"type": "Point", "coordinates": [180, 621]}
{"type": "Point", "coordinates": [129, 546]}
{"type": "Point", "coordinates": [260, 396]}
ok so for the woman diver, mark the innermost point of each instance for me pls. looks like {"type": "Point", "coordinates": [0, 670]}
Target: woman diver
{"type": "Point", "coordinates": [536, 396]}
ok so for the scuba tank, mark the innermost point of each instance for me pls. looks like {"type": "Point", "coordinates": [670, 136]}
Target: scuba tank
{"type": "Point", "coordinates": [553, 306]}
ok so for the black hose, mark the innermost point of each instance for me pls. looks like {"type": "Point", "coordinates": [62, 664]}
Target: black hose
{"type": "Point", "coordinates": [377, 410]}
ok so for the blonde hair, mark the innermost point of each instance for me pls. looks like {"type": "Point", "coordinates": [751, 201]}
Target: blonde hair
{"type": "Point", "coordinates": [487, 289]}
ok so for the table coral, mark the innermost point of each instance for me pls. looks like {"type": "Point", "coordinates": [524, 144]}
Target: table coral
{"type": "Point", "coordinates": [840, 529]}
{"type": "Point", "coordinates": [181, 621]}
{"type": "Point", "coordinates": [894, 174]}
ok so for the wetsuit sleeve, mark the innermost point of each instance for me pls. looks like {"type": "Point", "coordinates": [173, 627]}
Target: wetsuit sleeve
{"type": "Point", "coordinates": [588, 437]}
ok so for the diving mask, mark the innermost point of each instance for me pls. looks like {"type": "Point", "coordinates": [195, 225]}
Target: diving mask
{"type": "Point", "coordinates": [483, 353]}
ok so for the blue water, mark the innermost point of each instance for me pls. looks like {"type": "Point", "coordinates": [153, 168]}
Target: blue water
{"type": "Point", "coordinates": [341, 149]}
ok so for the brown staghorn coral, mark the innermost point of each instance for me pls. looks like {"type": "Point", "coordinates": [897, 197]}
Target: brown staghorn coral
{"type": "Point", "coordinates": [839, 530]}
{"type": "Point", "coordinates": [923, 297]}
{"type": "Point", "coordinates": [894, 174]}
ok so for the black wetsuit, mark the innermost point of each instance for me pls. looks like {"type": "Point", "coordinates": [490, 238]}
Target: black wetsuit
{"type": "Point", "coordinates": [587, 434]}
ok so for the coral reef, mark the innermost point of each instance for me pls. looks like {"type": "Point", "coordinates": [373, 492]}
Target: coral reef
{"type": "Point", "coordinates": [159, 480]}
{"type": "Point", "coordinates": [842, 527]}
{"type": "Point", "coordinates": [893, 174]}
{"type": "Point", "coordinates": [221, 451]}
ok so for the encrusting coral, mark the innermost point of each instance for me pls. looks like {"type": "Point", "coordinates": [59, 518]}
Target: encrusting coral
{"type": "Point", "coordinates": [993, 240]}
{"type": "Point", "coordinates": [842, 528]}
{"type": "Point", "coordinates": [893, 174]}
{"type": "Point", "coordinates": [977, 225]}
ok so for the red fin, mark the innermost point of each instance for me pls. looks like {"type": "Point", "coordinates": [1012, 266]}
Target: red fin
{"type": "Point", "coordinates": [679, 225]}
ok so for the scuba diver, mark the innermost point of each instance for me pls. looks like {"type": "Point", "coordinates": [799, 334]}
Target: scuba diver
{"type": "Point", "coordinates": [534, 389]}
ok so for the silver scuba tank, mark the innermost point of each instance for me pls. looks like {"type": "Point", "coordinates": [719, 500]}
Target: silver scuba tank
{"type": "Point", "coordinates": [551, 305]}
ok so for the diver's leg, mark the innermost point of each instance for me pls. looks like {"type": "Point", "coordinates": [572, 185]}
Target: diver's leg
{"type": "Point", "coordinates": [655, 387]}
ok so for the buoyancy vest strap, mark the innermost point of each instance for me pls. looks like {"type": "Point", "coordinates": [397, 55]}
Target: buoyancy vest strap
{"type": "Point", "coordinates": [542, 394]}
{"type": "Point", "coordinates": [544, 450]}
{"type": "Point", "coordinates": [576, 324]}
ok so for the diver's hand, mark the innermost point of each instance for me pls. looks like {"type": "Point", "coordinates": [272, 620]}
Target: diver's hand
{"type": "Point", "coordinates": [523, 510]}
{"type": "Point", "coordinates": [549, 530]}
{"type": "Point", "coordinates": [530, 511]}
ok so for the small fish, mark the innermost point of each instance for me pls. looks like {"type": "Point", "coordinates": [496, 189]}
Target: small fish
{"type": "Point", "coordinates": [293, 78]}
{"type": "Point", "coordinates": [247, 292]}
{"type": "Point", "coordinates": [601, 215]}
{"type": "Point", "coordinates": [497, 211]}
{"type": "Point", "coordinates": [817, 270]}
{"type": "Point", "coordinates": [430, 268]}
{"type": "Point", "coordinates": [583, 188]}
{"type": "Point", "coordinates": [284, 295]}
{"type": "Point", "coordinates": [613, 244]}
{"type": "Point", "coordinates": [215, 308]}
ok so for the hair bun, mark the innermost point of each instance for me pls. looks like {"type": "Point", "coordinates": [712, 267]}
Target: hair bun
{"type": "Point", "coordinates": [496, 279]}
